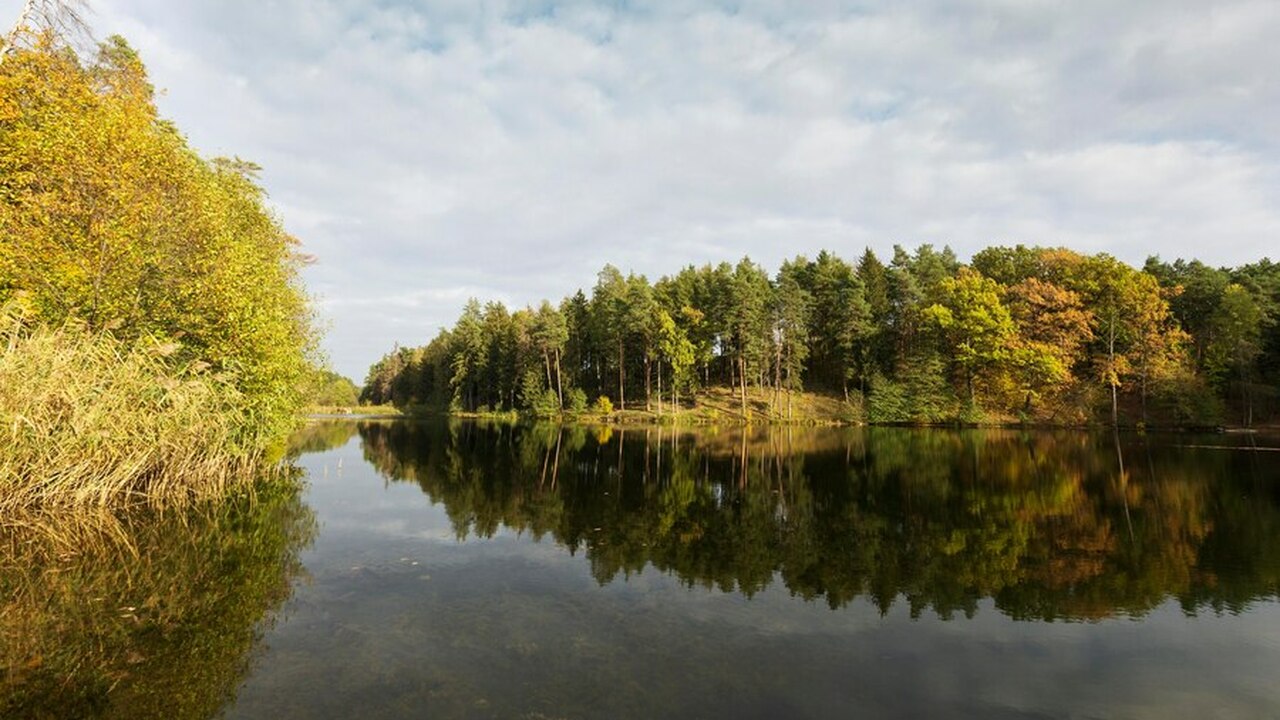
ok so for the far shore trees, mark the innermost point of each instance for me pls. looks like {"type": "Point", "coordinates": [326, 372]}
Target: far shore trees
{"type": "Point", "coordinates": [1020, 334]}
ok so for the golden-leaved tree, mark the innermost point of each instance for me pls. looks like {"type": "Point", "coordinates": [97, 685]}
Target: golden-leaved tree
{"type": "Point", "coordinates": [109, 217]}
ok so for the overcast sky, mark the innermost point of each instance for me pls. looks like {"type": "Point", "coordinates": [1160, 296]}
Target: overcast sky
{"type": "Point", "coordinates": [427, 152]}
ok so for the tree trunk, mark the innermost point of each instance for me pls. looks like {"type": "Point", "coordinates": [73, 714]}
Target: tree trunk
{"type": "Point", "coordinates": [777, 375]}
{"type": "Point", "coordinates": [1142, 385]}
{"type": "Point", "coordinates": [559, 381]}
{"type": "Point", "coordinates": [659, 387]}
{"type": "Point", "coordinates": [648, 382]}
{"type": "Point", "coordinates": [1111, 358]}
{"type": "Point", "coordinates": [622, 378]}
{"type": "Point", "coordinates": [743, 376]}
{"type": "Point", "coordinates": [789, 384]}
{"type": "Point", "coordinates": [1246, 408]}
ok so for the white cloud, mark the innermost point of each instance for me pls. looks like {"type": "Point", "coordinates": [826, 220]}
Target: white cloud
{"type": "Point", "coordinates": [426, 151]}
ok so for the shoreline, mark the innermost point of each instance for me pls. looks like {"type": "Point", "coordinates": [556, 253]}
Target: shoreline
{"type": "Point", "coordinates": [641, 418]}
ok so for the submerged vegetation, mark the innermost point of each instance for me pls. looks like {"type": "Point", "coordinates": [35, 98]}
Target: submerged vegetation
{"type": "Point", "coordinates": [1020, 334]}
{"type": "Point", "coordinates": [157, 336]}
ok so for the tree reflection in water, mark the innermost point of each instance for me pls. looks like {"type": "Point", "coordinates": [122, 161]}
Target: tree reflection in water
{"type": "Point", "coordinates": [1049, 525]}
{"type": "Point", "coordinates": [146, 615]}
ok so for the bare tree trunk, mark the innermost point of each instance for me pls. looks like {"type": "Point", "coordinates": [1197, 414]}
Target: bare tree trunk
{"type": "Point", "coordinates": [1112, 379]}
{"type": "Point", "coordinates": [63, 18]}
{"type": "Point", "coordinates": [559, 381]}
{"type": "Point", "coordinates": [777, 375]}
{"type": "Point", "coordinates": [648, 381]}
{"type": "Point", "coordinates": [1142, 385]}
{"type": "Point", "coordinates": [659, 386]}
{"type": "Point", "coordinates": [622, 378]}
{"type": "Point", "coordinates": [743, 376]}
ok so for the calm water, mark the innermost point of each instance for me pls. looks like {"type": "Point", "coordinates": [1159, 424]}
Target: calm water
{"type": "Point", "coordinates": [481, 571]}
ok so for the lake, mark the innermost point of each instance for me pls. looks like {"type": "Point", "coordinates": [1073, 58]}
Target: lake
{"type": "Point", "coordinates": [470, 570]}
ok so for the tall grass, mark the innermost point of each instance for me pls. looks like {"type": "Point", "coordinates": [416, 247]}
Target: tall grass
{"type": "Point", "coordinates": [87, 419]}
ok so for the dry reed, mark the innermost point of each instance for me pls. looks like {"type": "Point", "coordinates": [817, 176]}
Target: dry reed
{"type": "Point", "coordinates": [89, 420]}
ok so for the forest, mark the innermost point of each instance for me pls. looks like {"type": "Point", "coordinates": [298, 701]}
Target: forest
{"type": "Point", "coordinates": [1019, 334]}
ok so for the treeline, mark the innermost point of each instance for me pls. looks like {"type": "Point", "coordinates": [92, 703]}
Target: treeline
{"type": "Point", "coordinates": [1018, 334]}
{"type": "Point", "coordinates": [134, 275]}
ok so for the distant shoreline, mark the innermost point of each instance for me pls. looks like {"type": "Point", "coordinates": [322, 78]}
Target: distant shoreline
{"type": "Point", "coordinates": [639, 418]}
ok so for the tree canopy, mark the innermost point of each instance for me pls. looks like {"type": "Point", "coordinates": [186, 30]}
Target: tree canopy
{"type": "Point", "coordinates": [109, 217]}
{"type": "Point", "coordinates": [1032, 334]}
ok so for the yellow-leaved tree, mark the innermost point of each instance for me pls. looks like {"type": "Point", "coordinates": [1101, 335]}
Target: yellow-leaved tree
{"type": "Point", "coordinates": [109, 218]}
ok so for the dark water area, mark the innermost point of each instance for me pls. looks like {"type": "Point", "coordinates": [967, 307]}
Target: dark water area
{"type": "Point", "coordinates": [472, 570]}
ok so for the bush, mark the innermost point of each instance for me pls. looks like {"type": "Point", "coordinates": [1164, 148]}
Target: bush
{"type": "Point", "coordinates": [853, 411]}
{"type": "Point", "coordinates": [922, 396]}
{"type": "Point", "coordinates": [603, 406]}
{"type": "Point", "coordinates": [1185, 400]}
{"type": "Point", "coordinates": [887, 402]}
{"type": "Point", "coordinates": [577, 401]}
{"type": "Point", "coordinates": [547, 405]}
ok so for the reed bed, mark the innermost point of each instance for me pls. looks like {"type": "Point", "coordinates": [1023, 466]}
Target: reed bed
{"type": "Point", "coordinates": [90, 420]}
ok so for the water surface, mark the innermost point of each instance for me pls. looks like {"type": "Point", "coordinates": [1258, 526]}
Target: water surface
{"type": "Point", "coordinates": [467, 570]}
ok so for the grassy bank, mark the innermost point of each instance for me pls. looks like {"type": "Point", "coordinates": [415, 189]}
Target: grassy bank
{"type": "Point", "coordinates": [724, 407]}
{"type": "Point", "coordinates": [354, 410]}
{"type": "Point", "coordinates": [89, 420]}
{"type": "Point", "coordinates": [717, 406]}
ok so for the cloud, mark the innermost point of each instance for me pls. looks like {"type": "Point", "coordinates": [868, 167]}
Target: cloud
{"type": "Point", "coordinates": [428, 151]}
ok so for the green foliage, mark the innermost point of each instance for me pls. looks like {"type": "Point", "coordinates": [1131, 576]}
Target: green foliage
{"type": "Point", "coordinates": [536, 397]}
{"type": "Point", "coordinates": [326, 388]}
{"type": "Point", "coordinates": [1024, 334]}
{"type": "Point", "coordinates": [887, 402]}
{"type": "Point", "coordinates": [576, 400]}
{"type": "Point", "coordinates": [109, 217]}
{"type": "Point", "coordinates": [602, 406]}
{"type": "Point", "coordinates": [921, 395]}
{"type": "Point", "coordinates": [978, 328]}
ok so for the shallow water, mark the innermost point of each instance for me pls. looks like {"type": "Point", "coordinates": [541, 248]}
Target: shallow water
{"type": "Point", "coordinates": [485, 571]}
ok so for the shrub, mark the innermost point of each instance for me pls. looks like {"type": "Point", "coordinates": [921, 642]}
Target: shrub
{"type": "Point", "coordinates": [603, 406]}
{"type": "Point", "coordinates": [577, 401]}
{"type": "Point", "coordinates": [547, 405]}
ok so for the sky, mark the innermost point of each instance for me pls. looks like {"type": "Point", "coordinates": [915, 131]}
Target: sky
{"type": "Point", "coordinates": [428, 152]}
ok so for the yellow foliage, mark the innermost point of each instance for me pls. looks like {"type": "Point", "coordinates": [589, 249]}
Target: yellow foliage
{"type": "Point", "coordinates": [108, 216]}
